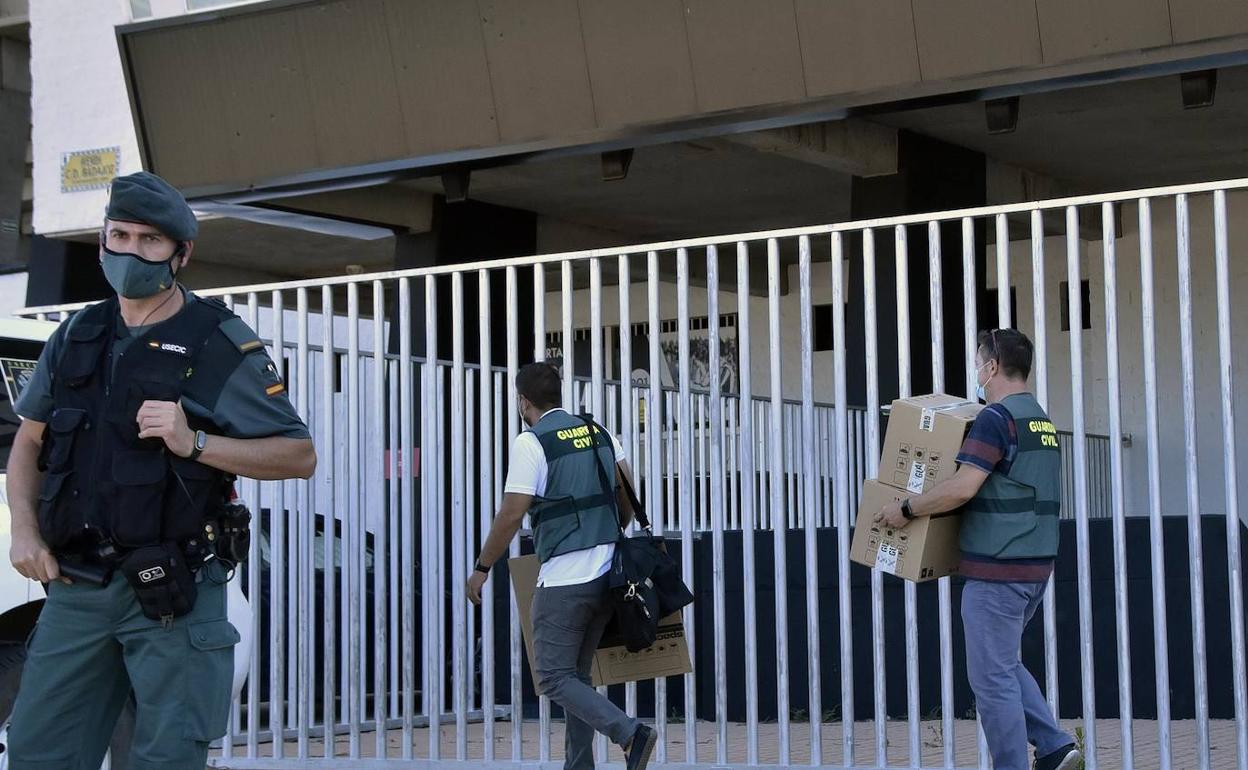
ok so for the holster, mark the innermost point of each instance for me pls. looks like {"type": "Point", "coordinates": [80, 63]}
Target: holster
{"type": "Point", "coordinates": [230, 534]}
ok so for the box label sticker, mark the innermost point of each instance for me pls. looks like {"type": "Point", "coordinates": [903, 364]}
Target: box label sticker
{"type": "Point", "coordinates": [886, 558]}
{"type": "Point", "coordinates": [918, 472]}
{"type": "Point", "coordinates": [927, 418]}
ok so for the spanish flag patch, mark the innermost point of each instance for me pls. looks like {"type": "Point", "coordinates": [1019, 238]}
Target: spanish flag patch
{"type": "Point", "coordinates": [247, 347]}
{"type": "Point", "coordinates": [273, 390]}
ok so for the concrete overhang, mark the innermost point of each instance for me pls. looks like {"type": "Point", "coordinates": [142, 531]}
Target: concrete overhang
{"type": "Point", "coordinates": [294, 97]}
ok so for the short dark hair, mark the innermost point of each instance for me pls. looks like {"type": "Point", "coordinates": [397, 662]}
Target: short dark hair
{"type": "Point", "coordinates": [1010, 348]}
{"type": "Point", "coordinates": [539, 383]}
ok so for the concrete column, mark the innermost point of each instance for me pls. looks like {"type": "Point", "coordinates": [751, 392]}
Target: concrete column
{"type": "Point", "coordinates": [932, 176]}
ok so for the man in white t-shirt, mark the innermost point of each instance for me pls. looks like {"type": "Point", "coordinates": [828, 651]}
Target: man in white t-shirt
{"type": "Point", "coordinates": [566, 474]}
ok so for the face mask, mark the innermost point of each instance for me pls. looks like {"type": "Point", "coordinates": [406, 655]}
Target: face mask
{"type": "Point", "coordinates": [980, 393]}
{"type": "Point", "coordinates": [133, 277]}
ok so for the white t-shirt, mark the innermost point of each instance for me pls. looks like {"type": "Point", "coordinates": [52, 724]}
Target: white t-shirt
{"type": "Point", "coordinates": [527, 476]}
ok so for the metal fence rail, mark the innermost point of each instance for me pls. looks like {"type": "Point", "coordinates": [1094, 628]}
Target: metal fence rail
{"type": "Point", "coordinates": [370, 650]}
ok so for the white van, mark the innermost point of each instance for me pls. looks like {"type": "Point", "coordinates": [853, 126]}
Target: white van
{"type": "Point", "coordinates": [21, 599]}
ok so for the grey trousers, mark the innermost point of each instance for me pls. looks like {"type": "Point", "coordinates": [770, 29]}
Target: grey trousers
{"type": "Point", "coordinates": [568, 622]}
{"type": "Point", "coordinates": [1011, 707]}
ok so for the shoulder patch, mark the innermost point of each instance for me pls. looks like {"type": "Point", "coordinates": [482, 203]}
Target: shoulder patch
{"type": "Point", "coordinates": [241, 335]}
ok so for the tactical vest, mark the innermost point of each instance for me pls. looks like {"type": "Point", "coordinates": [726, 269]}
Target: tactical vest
{"type": "Point", "coordinates": [578, 511]}
{"type": "Point", "coordinates": [1014, 515]}
{"type": "Point", "coordinates": [102, 481]}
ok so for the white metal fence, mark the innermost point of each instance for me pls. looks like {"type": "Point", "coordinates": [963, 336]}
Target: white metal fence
{"type": "Point", "coordinates": [361, 634]}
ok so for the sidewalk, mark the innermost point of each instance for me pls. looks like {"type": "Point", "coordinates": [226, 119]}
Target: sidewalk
{"type": "Point", "coordinates": [1108, 740]}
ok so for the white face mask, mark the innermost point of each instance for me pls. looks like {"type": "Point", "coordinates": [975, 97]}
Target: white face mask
{"type": "Point", "coordinates": [980, 391]}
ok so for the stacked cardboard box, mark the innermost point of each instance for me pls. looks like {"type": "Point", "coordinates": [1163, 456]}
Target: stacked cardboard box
{"type": "Point", "coordinates": [923, 437]}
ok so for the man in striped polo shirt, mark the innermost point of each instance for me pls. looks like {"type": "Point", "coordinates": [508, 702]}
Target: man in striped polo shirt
{"type": "Point", "coordinates": [1009, 480]}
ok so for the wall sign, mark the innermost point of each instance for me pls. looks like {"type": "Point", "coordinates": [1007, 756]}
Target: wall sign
{"type": "Point", "coordinates": [83, 170]}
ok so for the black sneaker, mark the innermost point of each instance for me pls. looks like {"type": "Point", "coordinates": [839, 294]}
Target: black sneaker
{"type": "Point", "coordinates": [1065, 758]}
{"type": "Point", "coordinates": [640, 749]}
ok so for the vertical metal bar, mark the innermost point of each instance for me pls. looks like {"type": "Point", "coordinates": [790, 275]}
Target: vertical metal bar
{"type": "Point", "coordinates": [350, 585]}
{"type": "Point", "coordinates": [654, 446]}
{"type": "Point", "coordinates": [1004, 321]}
{"type": "Point", "coordinates": [778, 520]}
{"type": "Point", "coordinates": [470, 546]}
{"type": "Point", "coordinates": [1040, 341]}
{"type": "Point", "coordinates": [717, 506]}
{"type": "Point", "coordinates": [1117, 487]}
{"type": "Point", "coordinates": [513, 429]}
{"type": "Point", "coordinates": [381, 550]}
{"type": "Point", "coordinates": [394, 526]}
{"type": "Point", "coordinates": [234, 721]}
{"type": "Point", "coordinates": [432, 460]}
{"type": "Point", "coordinates": [410, 510]}
{"type": "Point", "coordinates": [569, 397]}
{"type": "Point", "coordinates": [459, 517]}
{"type": "Point", "coordinates": [935, 266]}
{"type": "Point", "coordinates": [809, 481]}
{"type": "Point", "coordinates": [569, 401]}
{"type": "Point", "coordinates": [628, 412]}
{"type": "Point", "coordinates": [872, 468]}
{"type": "Point", "coordinates": [277, 574]}
{"type": "Point", "coordinates": [1081, 482]}
{"type": "Point", "coordinates": [970, 331]}
{"type": "Point", "coordinates": [841, 491]}
{"type": "Point", "coordinates": [486, 438]}
{"type": "Point", "coordinates": [748, 492]}
{"type": "Point", "coordinates": [306, 637]}
{"type": "Point", "coordinates": [1230, 473]}
{"type": "Point", "coordinates": [596, 396]}
{"type": "Point", "coordinates": [1194, 540]}
{"type": "Point", "coordinates": [902, 256]}
{"type": "Point", "coordinates": [328, 503]}
{"type": "Point", "coordinates": [252, 492]}
{"type": "Point", "coordinates": [686, 492]}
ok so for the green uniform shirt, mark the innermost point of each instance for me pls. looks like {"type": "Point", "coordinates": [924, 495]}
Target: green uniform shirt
{"type": "Point", "coordinates": [248, 406]}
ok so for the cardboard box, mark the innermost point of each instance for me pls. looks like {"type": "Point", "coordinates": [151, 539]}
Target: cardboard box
{"type": "Point", "coordinates": [924, 549]}
{"type": "Point", "coordinates": [923, 438]}
{"type": "Point", "coordinates": [613, 664]}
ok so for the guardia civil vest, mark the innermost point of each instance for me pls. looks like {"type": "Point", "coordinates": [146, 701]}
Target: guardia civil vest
{"type": "Point", "coordinates": [1015, 515]}
{"type": "Point", "coordinates": [577, 511]}
{"type": "Point", "coordinates": [102, 480]}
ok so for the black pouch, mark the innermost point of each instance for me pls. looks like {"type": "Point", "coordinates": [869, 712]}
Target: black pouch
{"type": "Point", "coordinates": [162, 580]}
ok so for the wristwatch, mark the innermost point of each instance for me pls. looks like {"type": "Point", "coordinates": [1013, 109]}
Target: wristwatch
{"type": "Point", "coordinates": [479, 567]}
{"type": "Point", "coordinates": [197, 449]}
{"type": "Point", "coordinates": [905, 509]}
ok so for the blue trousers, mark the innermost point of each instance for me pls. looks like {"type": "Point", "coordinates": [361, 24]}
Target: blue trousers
{"type": "Point", "coordinates": [1012, 709]}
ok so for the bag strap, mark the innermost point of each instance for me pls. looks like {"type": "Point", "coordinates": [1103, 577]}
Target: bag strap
{"type": "Point", "coordinates": [639, 511]}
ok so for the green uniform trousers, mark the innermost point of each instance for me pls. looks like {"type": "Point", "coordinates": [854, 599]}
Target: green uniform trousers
{"type": "Point", "coordinates": [91, 647]}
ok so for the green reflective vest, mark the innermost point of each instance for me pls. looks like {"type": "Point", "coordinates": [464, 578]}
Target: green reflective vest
{"type": "Point", "coordinates": [1014, 515]}
{"type": "Point", "coordinates": [577, 510]}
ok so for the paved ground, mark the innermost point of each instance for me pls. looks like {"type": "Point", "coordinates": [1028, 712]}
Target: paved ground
{"type": "Point", "coordinates": [1108, 742]}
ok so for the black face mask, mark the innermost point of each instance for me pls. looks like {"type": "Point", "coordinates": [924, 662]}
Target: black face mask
{"type": "Point", "coordinates": [134, 277]}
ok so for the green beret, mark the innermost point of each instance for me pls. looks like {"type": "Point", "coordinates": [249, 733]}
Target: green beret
{"type": "Point", "coordinates": [148, 199]}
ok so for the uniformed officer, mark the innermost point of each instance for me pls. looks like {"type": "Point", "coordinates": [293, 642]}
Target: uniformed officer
{"type": "Point", "coordinates": [140, 412]}
{"type": "Point", "coordinates": [1009, 480]}
{"type": "Point", "coordinates": [567, 479]}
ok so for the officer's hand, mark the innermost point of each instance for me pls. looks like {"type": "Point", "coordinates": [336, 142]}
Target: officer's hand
{"type": "Point", "coordinates": [892, 516]}
{"type": "Point", "coordinates": [166, 420]}
{"type": "Point", "coordinates": [475, 581]}
{"type": "Point", "coordinates": [32, 559]}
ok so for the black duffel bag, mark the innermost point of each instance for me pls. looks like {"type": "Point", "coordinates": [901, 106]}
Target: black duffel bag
{"type": "Point", "coordinates": [644, 581]}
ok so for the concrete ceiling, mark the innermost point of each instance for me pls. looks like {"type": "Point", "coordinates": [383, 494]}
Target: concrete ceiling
{"type": "Point", "coordinates": [1115, 137]}
{"type": "Point", "coordinates": [671, 191]}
